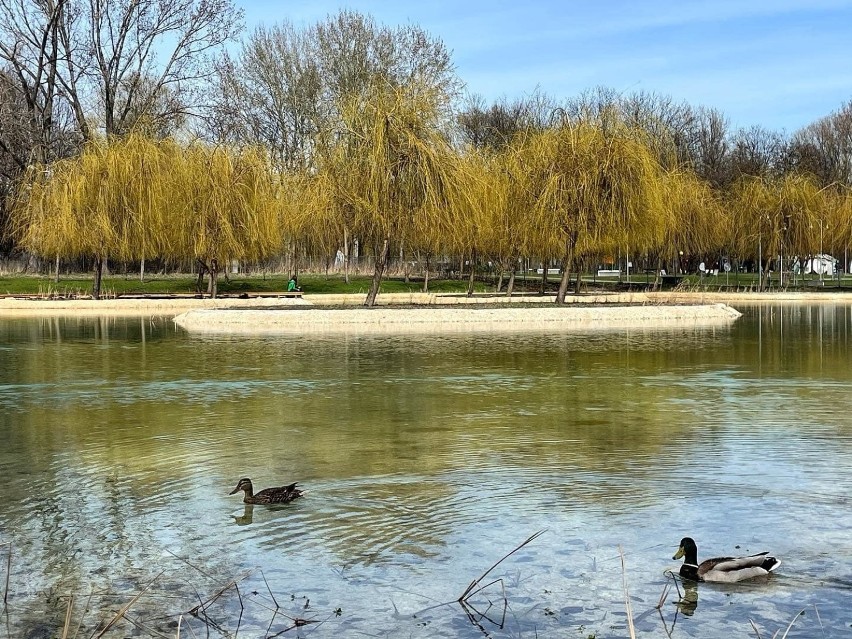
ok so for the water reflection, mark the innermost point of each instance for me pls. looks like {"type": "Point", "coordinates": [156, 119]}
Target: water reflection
{"type": "Point", "coordinates": [688, 601]}
{"type": "Point", "coordinates": [247, 517]}
{"type": "Point", "coordinates": [426, 459]}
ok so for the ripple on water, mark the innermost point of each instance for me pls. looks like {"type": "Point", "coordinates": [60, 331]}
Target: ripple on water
{"type": "Point", "coordinates": [426, 461]}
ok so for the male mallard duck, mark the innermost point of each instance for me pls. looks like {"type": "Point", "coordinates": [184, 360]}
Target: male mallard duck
{"type": "Point", "coordinates": [722, 569]}
{"type": "Point", "coordinates": [279, 495]}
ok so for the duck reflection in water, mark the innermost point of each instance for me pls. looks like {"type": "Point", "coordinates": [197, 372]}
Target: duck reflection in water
{"type": "Point", "coordinates": [685, 605]}
{"type": "Point", "coordinates": [246, 518]}
{"type": "Point", "coordinates": [689, 599]}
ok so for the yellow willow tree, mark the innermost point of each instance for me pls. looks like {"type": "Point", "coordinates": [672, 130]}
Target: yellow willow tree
{"type": "Point", "coordinates": [839, 223]}
{"type": "Point", "coordinates": [389, 165]}
{"type": "Point", "coordinates": [775, 216]}
{"type": "Point", "coordinates": [512, 231]}
{"type": "Point", "coordinates": [321, 210]}
{"type": "Point", "coordinates": [105, 202]}
{"type": "Point", "coordinates": [595, 190]}
{"type": "Point", "coordinates": [224, 204]}
{"type": "Point", "coordinates": [697, 221]}
{"type": "Point", "coordinates": [469, 227]}
{"type": "Point", "coordinates": [308, 219]}
{"type": "Point", "coordinates": [135, 198]}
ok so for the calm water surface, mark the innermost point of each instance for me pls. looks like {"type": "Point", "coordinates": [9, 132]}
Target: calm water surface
{"type": "Point", "coordinates": [426, 459]}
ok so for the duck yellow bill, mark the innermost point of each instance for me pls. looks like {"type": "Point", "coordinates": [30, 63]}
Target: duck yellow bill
{"type": "Point", "coordinates": [679, 553]}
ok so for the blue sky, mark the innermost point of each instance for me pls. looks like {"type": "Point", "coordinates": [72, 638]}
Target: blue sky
{"type": "Point", "coordinates": [781, 64]}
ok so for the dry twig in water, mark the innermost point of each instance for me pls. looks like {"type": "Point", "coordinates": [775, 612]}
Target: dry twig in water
{"type": "Point", "coordinates": [231, 584]}
{"type": "Point", "coordinates": [792, 621]}
{"type": "Point", "coordinates": [8, 575]}
{"type": "Point", "coordinates": [663, 596]}
{"type": "Point", "coordinates": [627, 603]}
{"type": "Point", "coordinates": [472, 588]}
{"type": "Point", "coordinates": [270, 590]}
{"type": "Point", "coordinates": [67, 624]}
{"type": "Point", "coordinates": [775, 634]}
{"type": "Point", "coordinates": [819, 619]}
{"type": "Point", "coordinates": [127, 606]}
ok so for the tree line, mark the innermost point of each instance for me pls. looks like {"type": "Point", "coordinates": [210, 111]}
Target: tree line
{"type": "Point", "coordinates": [129, 132]}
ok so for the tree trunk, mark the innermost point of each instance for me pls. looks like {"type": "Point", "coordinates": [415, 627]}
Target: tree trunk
{"type": "Point", "coordinates": [346, 254]}
{"type": "Point", "coordinates": [472, 273]}
{"type": "Point", "coordinates": [142, 270]}
{"type": "Point", "coordinates": [567, 263]}
{"type": "Point", "coordinates": [543, 282]}
{"type": "Point", "coordinates": [56, 272]}
{"type": "Point", "coordinates": [202, 269]}
{"type": "Point", "coordinates": [214, 278]}
{"type": "Point", "coordinates": [426, 277]}
{"type": "Point", "coordinates": [378, 271]}
{"type": "Point", "coordinates": [403, 263]}
{"type": "Point", "coordinates": [99, 272]}
{"type": "Point", "coordinates": [510, 287]}
{"type": "Point", "coordinates": [564, 281]}
{"type": "Point", "coordinates": [764, 277]}
{"type": "Point", "coordinates": [579, 281]}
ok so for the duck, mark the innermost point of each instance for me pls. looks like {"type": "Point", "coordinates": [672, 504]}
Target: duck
{"type": "Point", "coordinates": [277, 495]}
{"type": "Point", "coordinates": [723, 569]}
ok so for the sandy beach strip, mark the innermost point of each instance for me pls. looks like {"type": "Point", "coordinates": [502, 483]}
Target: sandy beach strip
{"type": "Point", "coordinates": [159, 306]}
{"type": "Point", "coordinates": [170, 306]}
{"type": "Point", "coordinates": [450, 319]}
{"type": "Point", "coordinates": [519, 312]}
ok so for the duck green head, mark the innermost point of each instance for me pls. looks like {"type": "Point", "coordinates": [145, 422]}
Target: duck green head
{"type": "Point", "coordinates": [686, 544]}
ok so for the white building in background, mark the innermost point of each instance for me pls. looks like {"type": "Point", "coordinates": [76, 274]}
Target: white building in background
{"type": "Point", "coordinates": [821, 264]}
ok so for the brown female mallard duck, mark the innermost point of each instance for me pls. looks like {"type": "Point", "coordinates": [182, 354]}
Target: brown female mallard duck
{"type": "Point", "coordinates": [279, 495]}
{"type": "Point", "coordinates": [722, 569]}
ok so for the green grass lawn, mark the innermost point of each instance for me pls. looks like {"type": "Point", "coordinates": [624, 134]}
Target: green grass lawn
{"type": "Point", "coordinates": [113, 286]}
{"type": "Point", "coordinates": [118, 285]}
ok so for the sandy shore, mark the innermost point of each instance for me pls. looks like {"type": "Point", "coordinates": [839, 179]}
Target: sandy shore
{"type": "Point", "coordinates": [484, 312]}
{"type": "Point", "coordinates": [453, 319]}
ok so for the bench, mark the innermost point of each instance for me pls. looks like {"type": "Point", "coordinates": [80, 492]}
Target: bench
{"type": "Point", "coordinates": [670, 281]}
{"type": "Point", "coordinates": [166, 296]}
{"type": "Point", "coordinates": [273, 294]}
{"type": "Point", "coordinates": [609, 272]}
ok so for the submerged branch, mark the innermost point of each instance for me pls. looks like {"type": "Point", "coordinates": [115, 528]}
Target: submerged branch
{"type": "Point", "coordinates": [473, 584]}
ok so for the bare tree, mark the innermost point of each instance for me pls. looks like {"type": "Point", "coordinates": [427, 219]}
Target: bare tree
{"type": "Point", "coordinates": [121, 58]}
{"type": "Point", "coordinates": [114, 63]}
{"type": "Point", "coordinates": [757, 152]}
{"type": "Point", "coordinates": [493, 127]}
{"type": "Point", "coordinates": [666, 122]}
{"type": "Point", "coordinates": [16, 131]}
{"type": "Point", "coordinates": [824, 148]}
{"type": "Point", "coordinates": [708, 145]}
{"type": "Point", "coordinates": [29, 49]}
{"type": "Point", "coordinates": [286, 84]}
{"type": "Point", "coordinates": [269, 95]}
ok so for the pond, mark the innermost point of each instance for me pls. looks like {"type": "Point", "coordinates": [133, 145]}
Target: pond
{"type": "Point", "coordinates": [426, 459]}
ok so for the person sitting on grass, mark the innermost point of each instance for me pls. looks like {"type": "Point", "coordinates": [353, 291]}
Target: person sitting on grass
{"type": "Point", "coordinates": [293, 285]}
